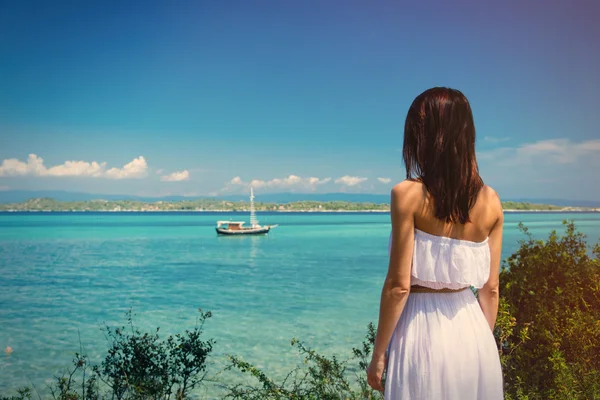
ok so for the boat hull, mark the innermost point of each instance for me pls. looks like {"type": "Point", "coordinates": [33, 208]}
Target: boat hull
{"type": "Point", "coordinates": [248, 231]}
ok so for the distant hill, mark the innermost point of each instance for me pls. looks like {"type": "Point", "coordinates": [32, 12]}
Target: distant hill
{"type": "Point", "coordinates": [17, 196]}
{"type": "Point", "coordinates": [558, 202]}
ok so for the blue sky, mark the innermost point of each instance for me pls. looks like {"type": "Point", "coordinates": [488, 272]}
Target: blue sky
{"type": "Point", "coordinates": [204, 97]}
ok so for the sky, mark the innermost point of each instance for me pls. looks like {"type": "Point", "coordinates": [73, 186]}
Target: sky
{"type": "Point", "coordinates": [207, 97]}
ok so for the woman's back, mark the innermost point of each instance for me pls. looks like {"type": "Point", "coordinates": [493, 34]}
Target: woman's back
{"type": "Point", "coordinates": [447, 255]}
{"type": "Point", "coordinates": [442, 346]}
{"type": "Point", "coordinates": [434, 336]}
{"type": "Point", "coordinates": [483, 215]}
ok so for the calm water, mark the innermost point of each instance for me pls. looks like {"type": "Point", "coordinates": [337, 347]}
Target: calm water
{"type": "Point", "coordinates": [316, 277]}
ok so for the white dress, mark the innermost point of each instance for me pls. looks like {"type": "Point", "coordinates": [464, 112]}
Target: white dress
{"type": "Point", "coordinates": [442, 347]}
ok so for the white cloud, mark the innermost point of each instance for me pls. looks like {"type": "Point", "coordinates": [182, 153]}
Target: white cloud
{"type": "Point", "coordinates": [384, 180]}
{"type": "Point", "coordinates": [135, 169]}
{"type": "Point", "coordinates": [176, 176]}
{"type": "Point", "coordinates": [292, 182]}
{"type": "Point", "coordinates": [562, 151]}
{"type": "Point", "coordinates": [236, 181]}
{"type": "Point", "coordinates": [255, 183]}
{"type": "Point", "coordinates": [317, 181]}
{"type": "Point", "coordinates": [551, 151]}
{"type": "Point", "coordinates": [14, 167]}
{"type": "Point", "coordinates": [34, 166]}
{"type": "Point", "coordinates": [74, 168]}
{"type": "Point", "coordinates": [552, 168]}
{"type": "Point", "coordinates": [159, 171]}
{"type": "Point", "coordinates": [350, 180]}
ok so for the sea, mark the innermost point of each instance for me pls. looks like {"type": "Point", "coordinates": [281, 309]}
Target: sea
{"type": "Point", "coordinates": [316, 277]}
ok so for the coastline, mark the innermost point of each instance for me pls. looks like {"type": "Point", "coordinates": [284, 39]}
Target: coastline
{"type": "Point", "coordinates": [224, 206]}
{"type": "Point", "coordinates": [565, 210]}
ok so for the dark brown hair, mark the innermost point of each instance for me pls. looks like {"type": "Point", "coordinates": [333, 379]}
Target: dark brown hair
{"type": "Point", "coordinates": [439, 151]}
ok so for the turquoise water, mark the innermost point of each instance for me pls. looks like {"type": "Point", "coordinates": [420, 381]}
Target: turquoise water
{"type": "Point", "coordinates": [316, 277]}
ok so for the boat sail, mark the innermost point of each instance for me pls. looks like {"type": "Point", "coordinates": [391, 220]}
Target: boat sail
{"type": "Point", "coordinates": [253, 220]}
{"type": "Point", "coordinates": [237, 228]}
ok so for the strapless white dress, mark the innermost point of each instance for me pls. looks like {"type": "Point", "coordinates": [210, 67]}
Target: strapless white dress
{"type": "Point", "coordinates": [442, 347]}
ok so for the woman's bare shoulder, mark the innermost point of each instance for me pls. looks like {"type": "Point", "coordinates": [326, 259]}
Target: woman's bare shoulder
{"type": "Point", "coordinates": [408, 195]}
{"type": "Point", "coordinates": [490, 194]}
{"type": "Point", "coordinates": [490, 198]}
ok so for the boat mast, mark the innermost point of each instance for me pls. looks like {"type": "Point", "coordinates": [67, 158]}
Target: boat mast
{"type": "Point", "coordinates": [253, 220]}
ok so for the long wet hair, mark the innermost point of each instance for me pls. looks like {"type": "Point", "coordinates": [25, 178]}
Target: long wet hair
{"type": "Point", "coordinates": [439, 151]}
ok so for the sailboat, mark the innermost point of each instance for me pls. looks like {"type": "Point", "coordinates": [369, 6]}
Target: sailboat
{"type": "Point", "coordinates": [237, 228]}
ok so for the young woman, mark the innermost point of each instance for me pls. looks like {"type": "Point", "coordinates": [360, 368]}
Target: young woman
{"type": "Point", "coordinates": [434, 338]}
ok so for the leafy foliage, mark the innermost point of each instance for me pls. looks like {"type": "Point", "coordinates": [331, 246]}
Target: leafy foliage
{"type": "Point", "coordinates": [319, 377]}
{"type": "Point", "coordinates": [137, 366]}
{"type": "Point", "coordinates": [140, 366]}
{"type": "Point", "coordinates": [549, 318]}
{"type": "Point", "coordinates": [524, 206]}
{"type": "Point", "coordinates": [22, 394]}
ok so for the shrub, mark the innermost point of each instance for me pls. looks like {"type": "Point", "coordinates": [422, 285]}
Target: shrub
{"type": "Point", "coordinates": [549, 318]}
{"type": "Point", "coordinates": [137, 366]}
{"type": "Point", "coordinates": [140, 366]}
{"type": "Point", "coordinates": [319, 377]}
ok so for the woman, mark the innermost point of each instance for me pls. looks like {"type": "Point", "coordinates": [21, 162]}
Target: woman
{"type": "Point", "coordinates": [434, 336]}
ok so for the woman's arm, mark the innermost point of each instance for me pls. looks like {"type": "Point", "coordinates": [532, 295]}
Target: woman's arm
{"type": "Point", "coordinates": [397, 282]}
{"type": "Point", "coordinates": [489, 294]}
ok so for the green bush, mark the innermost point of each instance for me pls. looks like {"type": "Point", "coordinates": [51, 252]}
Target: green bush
{"type": "Point", "coordinates": [141, 366]}
{"type": "Point", "coordinates": [318, 378]}
{"type": "Point", "coordinates": [548, 325]}
{"type": "Point", "coordinates": [137, 366]}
